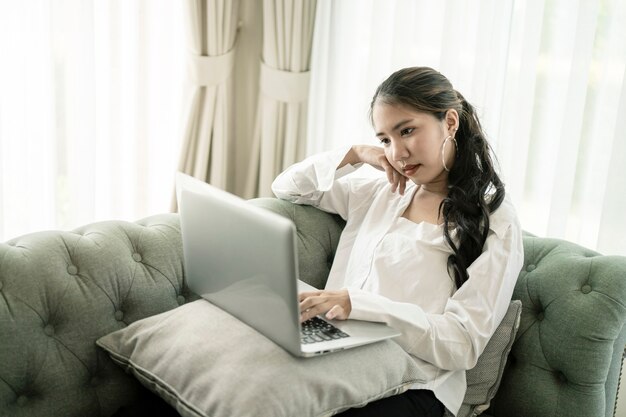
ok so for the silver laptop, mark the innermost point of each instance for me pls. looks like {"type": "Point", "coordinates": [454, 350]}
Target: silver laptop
{"type": "Point", "coordinates": [243, 259]}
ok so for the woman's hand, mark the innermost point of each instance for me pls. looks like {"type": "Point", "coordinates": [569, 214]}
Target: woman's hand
{"type": "Point", "coordinates": [375, 156]}
{"type": "Point", "coordinates": [334, 304]}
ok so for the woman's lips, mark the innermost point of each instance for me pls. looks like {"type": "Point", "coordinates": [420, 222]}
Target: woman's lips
{"type": "Point", "coordinates": [409, 169]}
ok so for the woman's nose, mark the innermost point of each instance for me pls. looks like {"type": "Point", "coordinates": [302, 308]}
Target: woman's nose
{"type": "Point", "coordinates": [398, 150]}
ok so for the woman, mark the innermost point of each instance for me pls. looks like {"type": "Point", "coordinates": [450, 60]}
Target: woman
{"type": "Point", "coordinates": [433, 248]}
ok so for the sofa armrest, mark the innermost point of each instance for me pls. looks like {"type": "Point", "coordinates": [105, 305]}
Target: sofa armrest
{"type": "Point", "coordinates": [568, 350]}
{"type": "Point", "coordinates": [318, 234]}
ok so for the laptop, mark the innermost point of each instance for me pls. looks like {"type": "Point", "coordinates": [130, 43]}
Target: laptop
{"type": "Point", "coordinates": [243, 259]}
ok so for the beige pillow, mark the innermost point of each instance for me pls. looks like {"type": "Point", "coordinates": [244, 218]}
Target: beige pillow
{"type": "Point", "coordinates": [204, 362]}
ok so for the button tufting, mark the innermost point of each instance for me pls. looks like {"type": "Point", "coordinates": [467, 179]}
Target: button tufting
{"type": "Point", "coordinates": [49, 330]}
{"type": "Point", "coordinates": [94, 381]}
{"type": "Point", "coordinates": [562, 377]}
{"type": "Point", "coordinates": [119, 315]}
{"type": "Point", "coordinates": [72, 270]}
{"type": "Point", "coordinates": [586, 289]}
{"type": "Point", "coordinates": [531, 267]}
{"type": "Point", "coordinates": [540, 316]}
{"type": "Point", "coordinates": [21, 400]}
{"type": "Point", "coordinates": [181, 300]}
{"type": "Point", "coordinates": [137, 257]}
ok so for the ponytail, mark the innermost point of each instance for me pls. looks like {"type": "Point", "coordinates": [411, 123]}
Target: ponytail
{"type": "Point", "coordinates": [474, 191]}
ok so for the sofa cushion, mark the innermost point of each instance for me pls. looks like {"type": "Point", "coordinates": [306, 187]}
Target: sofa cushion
{"type": "Point", "coordinates": [483, 380]}
{"type": "Point", "coordinates": [204, 362]}
{"type": "Point", "coordinates": [179, 356]}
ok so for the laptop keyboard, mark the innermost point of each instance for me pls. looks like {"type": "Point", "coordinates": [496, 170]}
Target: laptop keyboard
{"type": "Point", "coordinates": [318, 330]}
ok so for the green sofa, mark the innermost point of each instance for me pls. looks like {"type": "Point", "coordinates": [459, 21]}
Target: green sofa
{"type": "Point", "coordinates": [60, 291]}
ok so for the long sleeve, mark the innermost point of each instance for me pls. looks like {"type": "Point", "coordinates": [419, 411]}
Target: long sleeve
{"type": "Point", "coordinates": [454, 339]}
{"type": "Point", "coordinates": [316, 181]}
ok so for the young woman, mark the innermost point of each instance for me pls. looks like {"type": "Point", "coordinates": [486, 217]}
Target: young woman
{"type": "Point", "coordinates": [433, 248]}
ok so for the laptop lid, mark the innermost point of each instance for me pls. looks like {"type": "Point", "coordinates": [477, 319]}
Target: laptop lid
{"type": "Point", "coordinates": [241, 258]}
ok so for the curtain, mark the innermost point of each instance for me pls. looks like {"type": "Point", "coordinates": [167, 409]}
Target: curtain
{"type": "Point", "coordinates": [208, 146]}
{"type": "Point", "coordinates": [547, 77]}
{"type": "Point", "coordinates": [279, 138]}
{"type": "Point", "coordinates": [90, 120]}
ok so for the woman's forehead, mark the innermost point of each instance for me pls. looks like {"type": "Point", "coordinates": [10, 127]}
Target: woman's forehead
{"type": "Point", "coordinates": [386, 115]}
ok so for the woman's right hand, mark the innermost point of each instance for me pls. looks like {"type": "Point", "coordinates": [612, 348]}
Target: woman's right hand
{"type": "Point", "coordinates": [375, 156]}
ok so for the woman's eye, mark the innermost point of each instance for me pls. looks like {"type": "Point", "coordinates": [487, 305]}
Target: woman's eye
{"type": "Point", "coordinates": [385, 141]}
{"type": "Point", "coordinates": [406, 131]}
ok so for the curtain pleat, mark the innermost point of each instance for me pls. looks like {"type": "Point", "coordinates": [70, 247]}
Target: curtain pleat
{"type": "Point", "coordinates": [209, 137]}
{"type": "Point", "coordinates": [280, 139]}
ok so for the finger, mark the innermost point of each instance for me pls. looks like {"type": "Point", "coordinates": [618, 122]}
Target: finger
{"type": "Point", "coordinates": [336, 313]}
{"type": "Point", "coordinates": [310, 303]}
{"type": "Point", "coordinates": [313, 311]}
{"type": "Point", "coordinates": [389, 171]}
{"type": "Point", "coordinates": [402, 185]}
{"type": "Point", "coordinates": [396, 180]}
{"type": "Point", "coordinates": [309, 314]}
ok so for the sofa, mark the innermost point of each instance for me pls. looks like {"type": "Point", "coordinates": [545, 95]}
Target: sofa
{"type": "Point", "coordinates": [61, 291]}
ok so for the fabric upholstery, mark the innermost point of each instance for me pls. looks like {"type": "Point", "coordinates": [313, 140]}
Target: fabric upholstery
{"type": "Point", "coordinates": [571, 335]}
{"type": "Point", "coordinates": [61, 291]}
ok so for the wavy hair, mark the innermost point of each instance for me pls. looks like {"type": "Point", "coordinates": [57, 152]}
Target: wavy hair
{"type": "Point", "coordinates": [474, 187]}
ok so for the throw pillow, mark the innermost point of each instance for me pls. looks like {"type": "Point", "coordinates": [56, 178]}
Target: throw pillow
{"type": "Point", "coordinates": [176, 355]}
{"type": "Point", "coordinates": [204, 362]}
{"type": "Point", "coordinates": [484, 379]}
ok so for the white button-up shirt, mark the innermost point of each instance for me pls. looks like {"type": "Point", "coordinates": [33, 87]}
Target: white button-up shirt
{"type": "Point", "coordinates": [396, 272]}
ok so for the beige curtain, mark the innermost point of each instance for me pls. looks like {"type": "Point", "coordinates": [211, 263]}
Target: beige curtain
{"type": "Point", "coordinates": [279, 137]}
{"type": "Point", "coordinates": [207, 150]}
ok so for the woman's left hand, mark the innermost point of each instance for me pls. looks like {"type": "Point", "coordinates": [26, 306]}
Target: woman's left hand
{"type": "Point", "coordinates": [334, 304]}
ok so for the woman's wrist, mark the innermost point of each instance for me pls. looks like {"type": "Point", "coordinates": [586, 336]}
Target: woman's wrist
{"type": "Point", "coordinates": [352, 157]}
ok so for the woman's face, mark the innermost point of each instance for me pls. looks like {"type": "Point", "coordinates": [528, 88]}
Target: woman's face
{"type": "Point", "coordinates": [413, 141]}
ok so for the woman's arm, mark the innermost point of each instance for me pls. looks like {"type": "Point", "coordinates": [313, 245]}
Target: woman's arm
{"type": "Point", "coordinates": [320, 180]}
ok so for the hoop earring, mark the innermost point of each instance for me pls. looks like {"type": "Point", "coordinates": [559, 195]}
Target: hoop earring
{"type": "Point", "coordinates": [443, 148]}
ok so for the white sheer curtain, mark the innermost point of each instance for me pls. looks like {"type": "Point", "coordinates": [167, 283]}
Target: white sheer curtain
{"type": "Point", "coordinates": [90, 110]}
{"type": "Point", "coordinates": [548, 78]}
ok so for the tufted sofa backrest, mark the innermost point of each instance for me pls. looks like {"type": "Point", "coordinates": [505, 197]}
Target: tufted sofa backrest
{"type": "Point", "coordinates": [60, 291]}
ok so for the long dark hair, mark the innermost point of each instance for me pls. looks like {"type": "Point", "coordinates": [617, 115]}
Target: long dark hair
{"type": "Point", "coordinates": [474, 188]}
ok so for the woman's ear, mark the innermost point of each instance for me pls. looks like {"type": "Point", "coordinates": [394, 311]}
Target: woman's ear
{"type": "Point", "coordinates": [452, 121]}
